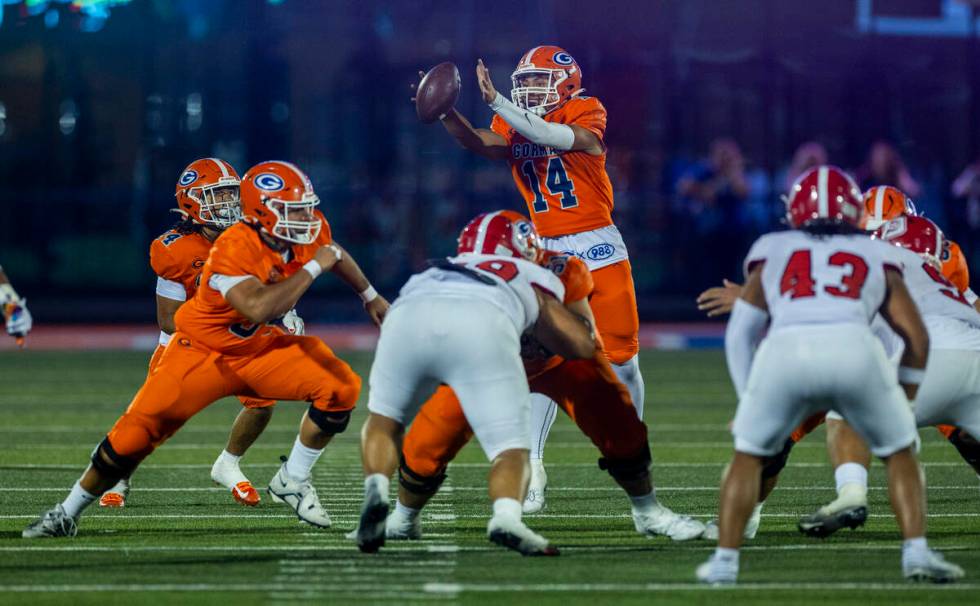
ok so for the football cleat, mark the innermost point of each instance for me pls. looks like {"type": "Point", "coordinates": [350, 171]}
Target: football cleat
{"type": "Point", "coordinates": [513, 534]}
{"type": "Point", "coordinates": [930, 566]}
{"type": "Point", "coordinates": [115, 496]}
{"type": "Point", "coordinates": [53, 523]}
{"type": "Point", "coordinates": [400, 527]}
{"type": "Point", "coordinates": [660, 520]}
{"type": "Point", "coordinates": [534, 501]}
{"type": "Point", "coordinates": [825, 521]}
{"type": "Point", "coordinates": [231, 477]}
{"type": "Point", "coordinates": [301, 496]}
{"type": "Point", "coordinates": [371, 529]}
{"type": "Point", "coordinates": [711, 529]}
{"type": "Point", "coordinates": [717, 572]}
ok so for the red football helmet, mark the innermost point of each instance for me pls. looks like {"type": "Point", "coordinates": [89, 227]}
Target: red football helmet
{"type": "Point", "coordinates": [824, 192]}
{"type": "Point", "coordinates": [546, 77]}
{"type": "Point", "coordinates": [505, 232]}
{"type": "Point", "coordinates": [279, 197]}
{"type": "Point", "coordinates": [884, 203]}
{"type": "Point", "coordinates": [208, 193]}
{"type": "Point", "coordinates": [918, 234]}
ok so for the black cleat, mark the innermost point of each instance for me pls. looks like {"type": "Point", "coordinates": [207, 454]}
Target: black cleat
{"type": "Point", "coordinates": [821, 525]}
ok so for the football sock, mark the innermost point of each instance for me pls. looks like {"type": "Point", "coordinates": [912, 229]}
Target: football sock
{"type": "Point", "coordinates": [507, 508]}
{"type": "Point", "coordinates": [229, 459]}
{"type": "Point", "coordinates": [78, 499]}
{"type": "Point", "coordinates": [727, 555]}
{"type": "Point", "coordinates": [301, 460]}
{"type": "Point", "coordinates": [629, 375]}
{"type": "Point", "coordinates": [912, 549]}
{"type": "Point", "coordinates": [405, 511]}
{"type": "Point", "coordinates": [379, 481]}
{"type": "Point", "coordinates": [757, 511]}
{"type": "Point", "coordinates": [852, 483]}
{"type": "Point", "coordinates": [645, 502]}
{"type": "Point", "coordinates": [543, 414]}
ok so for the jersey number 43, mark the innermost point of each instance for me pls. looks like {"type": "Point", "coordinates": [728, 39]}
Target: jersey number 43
{"type": "Point", "coordinates": [798, 276]}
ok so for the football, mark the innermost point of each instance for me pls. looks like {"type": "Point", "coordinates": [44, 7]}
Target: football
{"type": "Point", "coordinates": [437, 92]}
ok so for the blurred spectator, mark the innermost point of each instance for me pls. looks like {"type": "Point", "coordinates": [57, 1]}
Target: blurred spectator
{"type": "Point", "coordinates": [713, 194]}
{"type": "Point", "coordinates": [885, 167]}
{"type": "Point", "coordinates": [807, 156]}
{"type": "Point", "coordinates": [966, 188]}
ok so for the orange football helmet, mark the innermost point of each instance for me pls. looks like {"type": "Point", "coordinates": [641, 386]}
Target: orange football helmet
{"type": "Point", "coordinates": [884, 203]}
{"type": "Point", "coordinates": [208, 193]}
{"type": "Point", "coordinates": [279, 197]}
{"type": "Point", "coordinates": [545, 78]}
{"type": "Point", "coordinates": [505, 232]}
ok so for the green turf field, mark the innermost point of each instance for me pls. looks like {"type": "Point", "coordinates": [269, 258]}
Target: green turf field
{"type": "Point", "coordinates": [182, 540]}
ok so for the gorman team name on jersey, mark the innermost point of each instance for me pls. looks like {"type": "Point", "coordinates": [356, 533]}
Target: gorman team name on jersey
{"type": "Point", "coordinates": [531, 150]}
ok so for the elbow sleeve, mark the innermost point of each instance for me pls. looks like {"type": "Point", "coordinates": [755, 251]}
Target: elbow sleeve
{"type": "Point", "coordinates": [742, 335]}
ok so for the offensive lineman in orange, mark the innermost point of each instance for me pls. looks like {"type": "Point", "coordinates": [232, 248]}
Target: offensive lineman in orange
{"type": "Point", "coordinates": [551, 134]}
{"type": "Point", "coordinates": [228, 341]}
{"type": "Point", "coordinates": [208, 202]}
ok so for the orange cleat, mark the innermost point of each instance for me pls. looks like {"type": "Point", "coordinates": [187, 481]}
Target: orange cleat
{"type": "Point", "coordinates": [112, 499]}
{"type": "Point", "coordinates": [246, 494]}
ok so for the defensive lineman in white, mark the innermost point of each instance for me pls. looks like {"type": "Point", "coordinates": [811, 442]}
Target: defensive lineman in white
{"type": "Point", "coordinates": [819, 286]}
{"type": "Point", "coordinates": [460, 323]}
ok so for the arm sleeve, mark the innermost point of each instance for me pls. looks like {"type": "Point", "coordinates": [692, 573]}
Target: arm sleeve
{"type": "Point", "coordinates": [169, 289]}
{"type": "Point", "coordinates": [743, 334]}
{"type": "Point", "coordinates": [223, 283]}
{"type": "Point", "coordinates": [533, 126]}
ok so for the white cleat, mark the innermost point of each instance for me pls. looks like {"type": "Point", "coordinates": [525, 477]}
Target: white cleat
{"type": "Point", "coordinates": [53, 523]}
{"type": "Point", "coordinates": [534, 501]}
{"type": "Point", "coordinates": [751, 527]}
{"type": "Point", "coordinates": [513, 534]}
{"type": "Point", "coordinates": [930, 566]}
{"type": "Point", "coordinates": [400, 527]}
{"type": "Point", "coordinates": [716, 572]}
{"type": "Point", "coordinates": [301, 496]}
{"type": "Point", "coordinates": [660, 520]}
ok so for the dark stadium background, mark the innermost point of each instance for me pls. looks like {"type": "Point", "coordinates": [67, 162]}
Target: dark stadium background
{"type": "Point", "coordinates": [103, 103]}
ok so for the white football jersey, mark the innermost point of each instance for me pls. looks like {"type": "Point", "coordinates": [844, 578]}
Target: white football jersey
{"type": "Point", "coordinates": [507, 282]}
{"type": "Point", "coordinates": [810, 279]}
{"type": "Point", "coordinates": [952, 322]}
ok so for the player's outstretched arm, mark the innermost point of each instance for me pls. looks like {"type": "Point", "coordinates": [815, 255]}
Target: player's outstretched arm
{"type": "Point", "coordinates": [261, 303]}
{"type": "Point", "coordinates": [902, 315]}
{"type": "Point", "coordinates": [350, 272]}
{"type": "Point", "coordinates": [561, 331]}
{"type": "Point", "coordinates": [745, 329]}
{"type": "Point", "coordinates": [482, 141]}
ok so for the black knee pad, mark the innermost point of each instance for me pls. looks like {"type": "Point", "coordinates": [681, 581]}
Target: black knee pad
{"type": "Point", "coordinates": [967, 446]}
{"type": "Point", "coordinates": [419, 484]}
{"type": "Point", "coordinates": [331, 423]}
{"type": "Point", "coordinates": [772, 466]}
{"type": "Point", "coordinates": [627, 470]}
{"type": "Point", "coordinates": [120, 465]}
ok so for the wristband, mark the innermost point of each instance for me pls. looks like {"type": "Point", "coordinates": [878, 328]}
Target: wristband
{"type": "Point", "coordinates": [912, 376]}
{"type": "Point", "coordinates": [368, 294]}
{"type": "Point", "coordinates": [313, 268]}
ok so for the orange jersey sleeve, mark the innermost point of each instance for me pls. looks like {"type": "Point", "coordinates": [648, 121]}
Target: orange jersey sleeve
{"type": "Point", "coordinates": [566, 192]}
{"type": "Point", "coordinates": [574, 275]}
{"type": "Point", "coordinates": [180, 257]}
{"type": "Point", "coordinates": [240, 251]}
{"type": "Point", "coordinates": [955, 268]}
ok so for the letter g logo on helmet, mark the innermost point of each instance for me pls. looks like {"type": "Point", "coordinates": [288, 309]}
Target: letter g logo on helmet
{"type": "Point", "coordinates": [269, 182]}
{"type": "Point", "coordinates": [188, 177]}
{"type": "Point", "coordinates": [562, 58]}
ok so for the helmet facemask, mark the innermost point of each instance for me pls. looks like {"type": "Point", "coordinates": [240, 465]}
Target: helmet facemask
{"type": "Point", "coordinates": [526, 241]}
{"type": "Point", "coordinates": [220, 204]}
{"type": "Point", "coordinates": [295, 220]}
{"type": "Point", "coordinates": [536, 88]}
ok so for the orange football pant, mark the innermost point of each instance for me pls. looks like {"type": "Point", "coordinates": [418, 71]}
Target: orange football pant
{"type": "Point", "coordinates": [246, 402]}
{"type": "Point", "coordinates": [188, 377]}
{"type": "Point", "coordinates": [587, 390]}
{"type": "Point", "coordinates": [613, 303]}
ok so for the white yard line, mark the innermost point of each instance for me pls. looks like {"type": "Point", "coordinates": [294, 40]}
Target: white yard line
{"type": "Point", "coordinates": [335, 462]}
{"type": "Point", "coordinates": [430, 518]}
{"type": "Point", "coordinates": [327, 485]}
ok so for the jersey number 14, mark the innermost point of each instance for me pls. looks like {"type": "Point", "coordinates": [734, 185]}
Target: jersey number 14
{"type": "Point", "coordinates": [556, 183]}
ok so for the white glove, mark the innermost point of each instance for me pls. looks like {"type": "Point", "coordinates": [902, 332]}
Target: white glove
{"type": "Point", "coordinates": [293, 323]}
{"type": "Point", "coordinates": [19, 321]}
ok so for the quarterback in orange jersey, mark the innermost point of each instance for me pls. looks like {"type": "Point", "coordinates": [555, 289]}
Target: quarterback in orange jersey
{"type": "Point", "coordinates": [552, 135]}
{"type": "Point", "coordinates": [229, 341]}
{"type": "Point", "coordinates": [586, 389]}
{"type": "Point", "coordinates": [208, 202]}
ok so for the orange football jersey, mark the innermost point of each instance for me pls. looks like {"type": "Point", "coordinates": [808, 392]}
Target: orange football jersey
{"type": "Point", "coordinates": [566, 192]}
{"type": "Point", "coordinates": [239, 251]}
{"type": "Point", "coordinates": [954, 266]}
{"type": "Point", "coordinates": [577, 279]}
{"type": "Point", "coordinates": [179, 257]}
